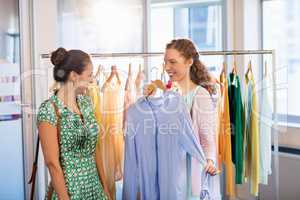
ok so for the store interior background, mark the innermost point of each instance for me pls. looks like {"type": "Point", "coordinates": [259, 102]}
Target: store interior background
{"type": "Point", "coordinates": [29, 28]}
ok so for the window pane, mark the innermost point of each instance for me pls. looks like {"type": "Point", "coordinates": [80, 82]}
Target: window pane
{"type": "Point", "coordinates": [281, 32]}
{"type": "Point", "coordinates": [101, 26]}
{"type": "Point", "coordinates": [201, 22]}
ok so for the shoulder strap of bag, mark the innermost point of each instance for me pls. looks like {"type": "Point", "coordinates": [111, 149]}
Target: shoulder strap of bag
{"type": "Point", "coordinates": [32, 179]}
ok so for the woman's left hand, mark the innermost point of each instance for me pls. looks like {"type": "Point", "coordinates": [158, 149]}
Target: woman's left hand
{"type": "Point", "coordinates": [210, 167]}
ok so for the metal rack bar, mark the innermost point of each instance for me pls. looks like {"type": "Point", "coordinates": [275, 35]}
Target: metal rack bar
{"type": "Point", "coordinates": [204, 53]}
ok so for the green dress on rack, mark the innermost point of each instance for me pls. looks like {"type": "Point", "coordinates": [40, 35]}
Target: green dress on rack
{"type": "Point", "coordinates": [77, 144]}
{"type": "Point", "coordinates": [237, 121]}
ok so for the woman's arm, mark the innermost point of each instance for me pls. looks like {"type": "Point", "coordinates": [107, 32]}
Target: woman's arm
{"type": "Point", "coordinates": [204, 114]}
{"type": "Point", "coordinates": [50, 147]}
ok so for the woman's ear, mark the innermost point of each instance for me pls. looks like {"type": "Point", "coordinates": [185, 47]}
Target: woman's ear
{"type": "Point", "coordinates": [189, 62]}
{"type": "Point", "coordinates": [73, 76]}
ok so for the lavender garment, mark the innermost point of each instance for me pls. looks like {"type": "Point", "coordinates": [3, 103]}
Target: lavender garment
{"type": "Point", "coordinates": [159, 136]}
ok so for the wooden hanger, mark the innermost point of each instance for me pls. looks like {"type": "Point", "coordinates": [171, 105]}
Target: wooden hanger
{"type": "Point", "coordinates": [98, 73]}
{"type": "Point", "coordinates": [234, 69]}
{"type": "Point", "coordinates": [127, 85]}
{"type": "Point", "coordinates": [159, 84]}
{"type": "Point", "coordinates": [153, 86]}
{"type": "Point", "coordinates": [224, 69]}
{"type": "Point", "coordinates": [113, 73]}
{"type": "Point", "coordinates": [249, 70]}
{"type": "Point", "coordinates": [129, 69]}
{"type": "Point", "coordinates": [139, 77]}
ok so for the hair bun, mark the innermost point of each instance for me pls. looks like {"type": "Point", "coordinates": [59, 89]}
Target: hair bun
{"type": "Point", "coordinates": [58, 56]}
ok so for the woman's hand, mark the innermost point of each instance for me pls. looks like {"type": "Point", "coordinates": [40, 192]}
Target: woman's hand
{"type": "Point", "coordinates": [210, 167]}
{"type": "Point", "coordinates": [149, 89]}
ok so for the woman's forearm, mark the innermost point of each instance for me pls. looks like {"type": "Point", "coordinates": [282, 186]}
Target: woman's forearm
{"type": "Point", "coordinates": [58, 182]}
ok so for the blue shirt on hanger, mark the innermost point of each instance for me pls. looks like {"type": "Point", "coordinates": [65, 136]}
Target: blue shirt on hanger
{"type": "Point", "coordinates": [158, 137]}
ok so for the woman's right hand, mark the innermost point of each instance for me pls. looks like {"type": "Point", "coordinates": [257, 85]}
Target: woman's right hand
{"type": "Point", "coordinates": [210, 167]}
{"type": "Point", "coordinates": [149, 89]}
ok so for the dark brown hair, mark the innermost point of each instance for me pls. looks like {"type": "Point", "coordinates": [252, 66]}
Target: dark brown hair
{"type": "Point", "coordinates": [198, 71]}
{"type": "Point", "coordinates": [67, 61]}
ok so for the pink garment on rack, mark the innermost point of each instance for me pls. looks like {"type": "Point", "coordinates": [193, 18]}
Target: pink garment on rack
{"type": "Point", "coordinates": [204, 118]}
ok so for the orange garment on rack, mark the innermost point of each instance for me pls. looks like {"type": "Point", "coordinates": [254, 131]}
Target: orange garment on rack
{"type": "Point", "coordinates": [111, 141]}
{"type": "Point", "coordinates": [224, 137]}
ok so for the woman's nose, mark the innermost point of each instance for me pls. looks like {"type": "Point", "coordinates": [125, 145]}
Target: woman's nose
{"type": "Point", "coordinates": [167, 66]}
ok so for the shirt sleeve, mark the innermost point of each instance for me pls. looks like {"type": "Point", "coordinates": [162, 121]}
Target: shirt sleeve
{"type": "Point", "coordinates": [188, 139]}
{"type": "Point", "coordinates": [130, 187]}
{"type": "Point", "coordinates": [204, 115]}
{"type": "Point", "coordinates": [46, 113]}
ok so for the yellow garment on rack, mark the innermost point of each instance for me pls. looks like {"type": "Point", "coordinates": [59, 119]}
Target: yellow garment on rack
{"type": "Point", "coordinates": [111, 141]}
{"type": "Point", "coordinates": [94, 93]}
{"type": "Point", "coordinates": [251, 141]}
{"type": "Point", "coordinates": [224, 137]}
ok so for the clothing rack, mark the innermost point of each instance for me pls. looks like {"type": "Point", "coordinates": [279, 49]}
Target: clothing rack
{"type": "Point", "coordinates": [204, 53]}
{"type": "Point", "coordinates": [222, 53]}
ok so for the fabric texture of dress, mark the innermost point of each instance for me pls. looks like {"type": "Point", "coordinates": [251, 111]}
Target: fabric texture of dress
{"type": "Point", "coordinates": [77, 145]}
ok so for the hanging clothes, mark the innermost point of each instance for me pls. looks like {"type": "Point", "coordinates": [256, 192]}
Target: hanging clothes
{"type": "Point", "coordinates": [251, 136]}
{"type": "Point", "coordinates": [130, 95]}
{"type": "Point", "coordinates": [111, 141]}
{"type": "Point", "coordinates": [94, 94]}
{"type": "Point", "coordinates": [224, 138]}
{"type": "Point", "coordinates": [236, 120]}
{"type": "Point", "coordinates": [159, 135]}
{"type": "Point", "coordinates": [204, 117]}
{"type": "Point", "coordinates": [139, 82]}
{"type": "Point", "coordinates": [265, 134]}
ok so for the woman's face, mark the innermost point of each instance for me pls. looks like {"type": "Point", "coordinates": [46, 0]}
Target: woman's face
{"type": "Point", "coordinates": [176, 65]}
{"type": "Point", "coordinates": [85, 78]}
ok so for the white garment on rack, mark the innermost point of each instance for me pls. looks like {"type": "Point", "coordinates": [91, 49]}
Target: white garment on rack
{"type": "Point", "coordinates": [265, 134]}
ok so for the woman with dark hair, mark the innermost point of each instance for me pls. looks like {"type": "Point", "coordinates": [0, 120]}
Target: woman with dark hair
{"type": "Point", "coordinates": [68, 130]}
{"type": "Point", "coordinates": [184, 67]}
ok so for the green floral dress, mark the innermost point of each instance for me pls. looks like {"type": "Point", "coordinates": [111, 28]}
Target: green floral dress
{"type": "Point", "coordinates": [77, 143]}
